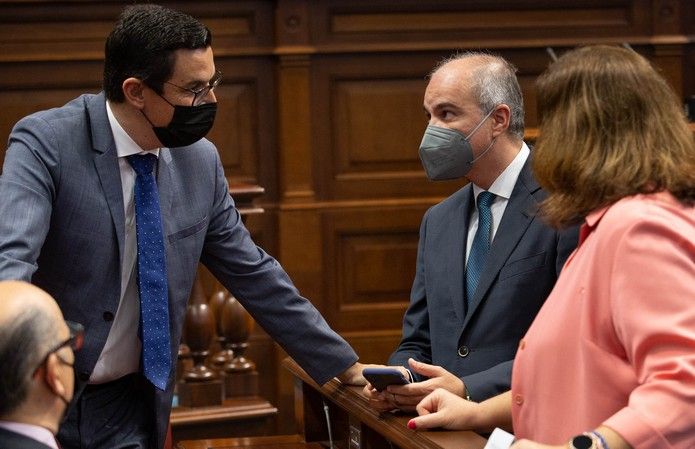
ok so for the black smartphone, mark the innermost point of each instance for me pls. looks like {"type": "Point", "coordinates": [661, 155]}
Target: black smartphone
{"type": "Point", "coordinates": [381, 378]}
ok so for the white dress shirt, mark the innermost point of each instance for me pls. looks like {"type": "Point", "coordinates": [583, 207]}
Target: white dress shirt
{"type": "Point", "coordinates": [502, 187]}
{"type": "Point", "coordinates": [121, 353]}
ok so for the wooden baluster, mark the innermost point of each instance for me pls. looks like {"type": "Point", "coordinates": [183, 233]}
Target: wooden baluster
{"type": "Point", "coordinates": [241, 377]}
{"type": "Point", "coordinates": [224, 355]}
{"type": "Point", "coordinates": [200, 386]}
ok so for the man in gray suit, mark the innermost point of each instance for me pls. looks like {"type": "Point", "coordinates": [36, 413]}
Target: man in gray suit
{"type": "Point", "coordinates": [36, 356]}
{"type": "Point", "coordinates": [482, 272]}
{"type": "Point", "coordinates": [70, 222]}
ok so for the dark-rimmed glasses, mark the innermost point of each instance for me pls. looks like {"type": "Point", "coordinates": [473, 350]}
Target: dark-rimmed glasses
{"type": "Point", "coordinates": [75, 341]}
{"type": "Point", "coordinates": [200, 94]}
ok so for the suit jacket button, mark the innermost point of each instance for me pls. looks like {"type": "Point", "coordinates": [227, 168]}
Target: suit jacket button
{"type": "Point", "coordinates": [108, 316]}
{"type": "Point", "coordinates": [463, 351]}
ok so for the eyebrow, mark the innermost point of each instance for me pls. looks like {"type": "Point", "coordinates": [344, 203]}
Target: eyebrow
{"type": "Point", "coordinates": [199, 83]}
{"type": "Point", "coordinates": [444, 105]}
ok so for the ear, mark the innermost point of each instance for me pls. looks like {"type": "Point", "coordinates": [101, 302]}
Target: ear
{"type": "Point", "coordinates": [133, 91]}
{"type": "Point", "coordinates": [500, 119]}
{"type": "Point", "coordinates": [52, 375]}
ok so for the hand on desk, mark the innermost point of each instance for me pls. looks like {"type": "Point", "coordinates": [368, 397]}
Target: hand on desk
{"type": "Point", "coordinates": [446, 410]}
{"type": "Point", "coordinates": [406, 397]}
{"type": "Point", "coordinates": [353, 375]}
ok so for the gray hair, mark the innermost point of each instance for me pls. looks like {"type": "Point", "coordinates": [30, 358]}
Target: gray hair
{"type": "Point", "coordinates": [494, 83]}
{"type": "Point", "coordinates": [23, 342]}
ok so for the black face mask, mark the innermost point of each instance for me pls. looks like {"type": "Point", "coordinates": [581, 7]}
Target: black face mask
{"type": "Point", "coordinates": [188, 125]}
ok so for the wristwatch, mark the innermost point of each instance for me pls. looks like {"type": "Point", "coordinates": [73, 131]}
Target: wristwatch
{"type": "Point", "coordinates": [582, 442]}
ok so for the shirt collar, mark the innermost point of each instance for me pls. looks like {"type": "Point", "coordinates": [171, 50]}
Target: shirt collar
{"type": "Point", "coordinates": [590, 223]}
{"type": "Point", "coordinates": [504, 184]}
{"type": "Point", "coordinates": [38, 433]}
{"type": "Point", "coordinates": [125, 145]}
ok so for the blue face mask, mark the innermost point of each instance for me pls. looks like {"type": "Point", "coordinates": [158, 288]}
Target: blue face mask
{"type": "Point", "coordinates": [446, 153]}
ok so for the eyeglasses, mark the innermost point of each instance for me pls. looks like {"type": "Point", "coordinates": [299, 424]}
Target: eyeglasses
{"type": "Point", "coordinates": [202, 93]}
{"type": "Point", "coordinates": [75, 341]}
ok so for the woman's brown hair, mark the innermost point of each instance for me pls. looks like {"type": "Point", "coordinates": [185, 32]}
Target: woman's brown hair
{"type": "Point", "coordinates": [610, 127]}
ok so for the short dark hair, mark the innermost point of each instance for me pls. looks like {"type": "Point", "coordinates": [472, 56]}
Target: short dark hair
{"type": "Point", "coordinates": [142, 45]}
{"type": "Point", "coordinates": [23, 341]}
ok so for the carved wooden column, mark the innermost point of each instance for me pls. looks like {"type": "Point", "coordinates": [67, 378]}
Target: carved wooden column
{"type": "Point", "coordinates": [199, 385]}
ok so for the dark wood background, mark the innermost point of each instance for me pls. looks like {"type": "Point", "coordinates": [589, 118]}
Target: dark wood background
{"type": "Point", "coordinates": [321, 105]}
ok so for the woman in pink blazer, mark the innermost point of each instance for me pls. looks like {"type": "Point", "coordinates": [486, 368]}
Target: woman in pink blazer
{"type": "Point", "coordinates": [609, 362]}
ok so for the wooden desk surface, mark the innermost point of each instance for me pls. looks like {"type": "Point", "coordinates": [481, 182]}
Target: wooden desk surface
{"type": "Point", "coordinates": [391, 426]}
{"type": "Point", "coordinates": [270, 442]}
{"type": "Point", "coordinates": [237, 417]}
{"type": "Point", "coordinates": [232, 409]}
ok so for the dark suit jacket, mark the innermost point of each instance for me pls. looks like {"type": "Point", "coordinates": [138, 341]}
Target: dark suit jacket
{"type": "Point", "coordinates": [62, 227]}
{"type": "Point", "coordinates": [12, 440]}
{"type": "Point", "coordinates": [479, 344]}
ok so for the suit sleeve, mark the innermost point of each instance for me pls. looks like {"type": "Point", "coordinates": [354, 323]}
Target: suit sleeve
{"type": "Point", "coordinates": [27, 189]}
{"type": "Point", "coordinates": [259, 282]}
{"type": "Point", "coordinates": [651, 294]}
{"type": "Point", "coordinates": [415, 341]}
{"type": "Point", "coordinates": [491, 382]}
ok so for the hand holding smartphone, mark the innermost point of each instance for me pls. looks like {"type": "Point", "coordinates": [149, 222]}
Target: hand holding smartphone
{"type": "Point", "coordinates": [381, 378]}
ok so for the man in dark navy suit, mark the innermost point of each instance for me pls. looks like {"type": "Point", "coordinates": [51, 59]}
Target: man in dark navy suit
{"type": "Point", "coordinates": [486, 261]}
{"type": "Point", "coordinates": [36, 356]}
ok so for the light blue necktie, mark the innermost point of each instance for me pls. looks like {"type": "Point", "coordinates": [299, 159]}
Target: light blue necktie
{"type": "Point", "coordinates": [481, 243]}
{"type": "Point", "coordinates": [152, 273]}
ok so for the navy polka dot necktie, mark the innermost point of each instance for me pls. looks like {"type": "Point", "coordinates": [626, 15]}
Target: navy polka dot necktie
{"type": "Point", "coordinates": [152, 274]}
{"type": "Point", "coordinates": [481, 243]}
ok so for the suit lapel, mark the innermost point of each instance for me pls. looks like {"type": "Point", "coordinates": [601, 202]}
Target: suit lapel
{"type": "Point", "coordinates": [106, 163]}
{"type": "Point", "coordinates": [518, 214]}
{"type": "Point", "coordinates": [457, 251]}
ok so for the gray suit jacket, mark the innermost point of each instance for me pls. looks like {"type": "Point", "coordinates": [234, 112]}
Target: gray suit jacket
{"type": "Point", "coordinates": [478, 341]}
{"type": "Point", "coordinates": [13, 440]}
{"type": "Point", "coordinates": [62, 228]}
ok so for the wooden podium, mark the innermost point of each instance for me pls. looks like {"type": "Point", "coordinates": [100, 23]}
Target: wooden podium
{"type": "Point", "coordinates": [353, 424]}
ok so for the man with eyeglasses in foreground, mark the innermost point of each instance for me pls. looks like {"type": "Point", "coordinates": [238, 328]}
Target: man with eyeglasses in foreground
{"type": "Point", "coordinates": [110, 202]}
{"type": "Point", "coordinates": [37, 352]}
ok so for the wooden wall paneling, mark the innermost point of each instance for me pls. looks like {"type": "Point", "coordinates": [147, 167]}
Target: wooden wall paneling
{"type": "Point", "coordinates": [688, 24]}
{"type": "Point", "coordinates": [27, 87]}
{"type": "Point", "coordinates": [411, 24]}
{"type": "Point", "coordinates": [294, 129]}
{"type": "Point", "coordinates": [245, 127]}
{"type": "Point", "coordinates": [291, 25]}
{"type": "Point", "coordinates": [369, 264]}
{"type": "Point", "coordinates": [669, 59]}
{"type": "Point", "coordinates": [369, 125]}
{"type": "Point", "coordinates": [666, 17]}
{"type": "Point", "coordinates": [689, 71]}
{"type": "Point", "coordinates": [51, 31]}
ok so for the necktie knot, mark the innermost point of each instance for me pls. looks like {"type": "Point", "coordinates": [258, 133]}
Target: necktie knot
{"type": "Point", "coordinates": [143, 164]}
{"type": "Point", "coordinates": [485, 200]}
